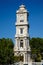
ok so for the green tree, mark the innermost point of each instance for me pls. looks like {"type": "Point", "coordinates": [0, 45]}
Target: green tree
{"type": "Point", "coordinates": [6, 51]}
{"type": "Point", "coordinates": [36, 48]}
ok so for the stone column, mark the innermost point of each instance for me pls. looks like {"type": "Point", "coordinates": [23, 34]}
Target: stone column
{"type": "Point", "coordinates": [16, 45]}
{"type": "Point", "coordinates": [29, 57]}
{"type": "Point", "coordinates": [19, 43]}
{"type": "Point", "coordinates": [25, 43]}
{"type": "Point", "coordinates": [28, 43]}
{"type": "Point", "coordinates": [24, 58]}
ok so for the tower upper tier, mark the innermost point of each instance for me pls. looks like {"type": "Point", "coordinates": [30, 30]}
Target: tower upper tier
{"type": "Point", "coordinates": [22, 16]}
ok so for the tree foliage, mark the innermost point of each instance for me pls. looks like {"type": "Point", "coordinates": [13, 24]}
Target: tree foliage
{"type": "Point", "coordinates": [36, 48]}
{"type": "Point", "coordinates": [6, 51]}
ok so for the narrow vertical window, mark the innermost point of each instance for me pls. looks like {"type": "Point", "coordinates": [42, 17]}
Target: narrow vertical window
{"type": "Point", "coordinates": [21, 43]}
{"type": "Point", "coordinates": [21, 30]}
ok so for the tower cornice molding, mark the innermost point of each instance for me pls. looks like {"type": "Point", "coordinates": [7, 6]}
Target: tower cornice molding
{"type": "Point", "coordinates": [22, 24]}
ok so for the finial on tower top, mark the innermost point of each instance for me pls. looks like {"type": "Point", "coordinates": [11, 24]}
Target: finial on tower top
{"type": "Point", "coordinates": [22, 6]}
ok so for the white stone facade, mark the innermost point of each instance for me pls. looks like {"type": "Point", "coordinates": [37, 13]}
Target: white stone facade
{"type": "Point", "coordinates": [22, 46]}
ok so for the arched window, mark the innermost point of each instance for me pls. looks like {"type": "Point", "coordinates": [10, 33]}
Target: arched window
{"type": "Point", "coordinates": [21, 43]}
{"type": "Point", "coordinates": [21, 58]}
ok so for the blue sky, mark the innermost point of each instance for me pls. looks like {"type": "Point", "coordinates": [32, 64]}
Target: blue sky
{"type": "Point", "coordinates": [8, 17]}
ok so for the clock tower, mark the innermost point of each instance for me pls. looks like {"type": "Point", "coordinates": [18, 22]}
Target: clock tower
{"type": "Point", "coordinates": [22, 47]}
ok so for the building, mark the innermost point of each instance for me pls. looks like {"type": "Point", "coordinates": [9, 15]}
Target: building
{"type": "Point", "coordinates": [22, 47]}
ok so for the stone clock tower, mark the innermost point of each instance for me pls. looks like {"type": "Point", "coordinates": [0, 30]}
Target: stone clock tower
{"type": "Point", "coordinates": [22, 47]}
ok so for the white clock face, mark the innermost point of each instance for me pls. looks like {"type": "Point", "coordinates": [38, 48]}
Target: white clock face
{"type": "Point", "coordinates": [21, 16]}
